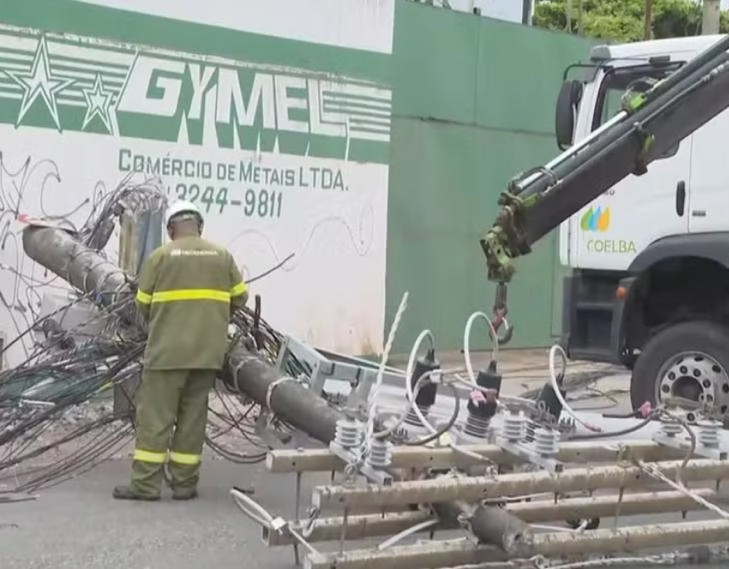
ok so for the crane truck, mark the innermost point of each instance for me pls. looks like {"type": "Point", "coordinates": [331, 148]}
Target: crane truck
{"type": "Point", "coordinates": [640, 195]}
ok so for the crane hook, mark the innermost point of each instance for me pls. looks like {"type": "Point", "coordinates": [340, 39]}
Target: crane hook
{"type": "Point", "coordinates": [501, 309]}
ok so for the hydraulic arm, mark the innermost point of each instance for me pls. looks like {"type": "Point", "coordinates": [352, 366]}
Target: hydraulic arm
{"type": "Point", "coordinates": [649, 125]}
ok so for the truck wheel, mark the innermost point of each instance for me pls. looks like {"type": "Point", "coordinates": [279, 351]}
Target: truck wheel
{"type": "Point", "coordinates": [688, 360]}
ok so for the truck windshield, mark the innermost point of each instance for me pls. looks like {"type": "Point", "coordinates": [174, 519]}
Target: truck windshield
{"type": "Point", "coordinates": [616, 82]}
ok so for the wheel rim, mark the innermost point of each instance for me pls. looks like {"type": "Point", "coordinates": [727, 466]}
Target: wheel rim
{"type": "Point", "coordinates": [695, 376]}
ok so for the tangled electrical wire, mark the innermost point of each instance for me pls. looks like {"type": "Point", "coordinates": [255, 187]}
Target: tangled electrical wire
{"type": "Point", "coordinates": [57, 418]}
{"type": "Point", "coordinates": [56, 413]}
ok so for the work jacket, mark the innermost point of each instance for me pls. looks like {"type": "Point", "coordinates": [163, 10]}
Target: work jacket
{"type": "Point", "coordinates": [187, 289]}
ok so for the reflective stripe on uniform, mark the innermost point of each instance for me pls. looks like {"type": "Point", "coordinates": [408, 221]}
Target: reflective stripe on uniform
{"type": "Point", "coordinates": [143, 297]}
{"type": "Point", "coordinates": [185, 458]}
{"type": "Point", "coordinates": [191, 294]}
{"type": "Point", "coordinates": [238, 289]}
{"type": "Point", "coordinates": [149, 456]}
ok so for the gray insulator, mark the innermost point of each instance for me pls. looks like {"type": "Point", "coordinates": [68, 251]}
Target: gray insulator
{"type": "Point", "coordinates": [709, 433]}
{"type": "Point", "coordinates": [545, 441]}
{"type": "Point", "coordinates": [477, 427]}
{"type": "Point", "coordinates": [413, 419]}
{"type": "Point", "coordinates": [380, 455]}
{"type": "Point", "coordinates": [671, 429]}
{"type": "Point", "coordinates": [349, 433]}
{"type": "Point", "coordinates": [514, 427]}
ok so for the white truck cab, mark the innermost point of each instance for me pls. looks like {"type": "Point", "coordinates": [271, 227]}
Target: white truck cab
{"type": "Point", "coordinates": [649, 285]}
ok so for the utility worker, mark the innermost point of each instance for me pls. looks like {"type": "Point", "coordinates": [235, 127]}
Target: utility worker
{"type": "Point", "coordinates": [187, 291]}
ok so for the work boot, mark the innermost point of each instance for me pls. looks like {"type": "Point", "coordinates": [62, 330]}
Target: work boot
{"type": "Point", "coordinates": [190, 494]}
{"type": "Point", "coordinates": [127, 493]}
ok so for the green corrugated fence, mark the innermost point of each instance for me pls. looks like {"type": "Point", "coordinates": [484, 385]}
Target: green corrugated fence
{"type": "Point", "coordinates": [470, 111]}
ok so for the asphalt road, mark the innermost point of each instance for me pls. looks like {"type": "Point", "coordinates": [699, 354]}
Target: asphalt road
{"type": "Point", "coordinates": [77, 525]}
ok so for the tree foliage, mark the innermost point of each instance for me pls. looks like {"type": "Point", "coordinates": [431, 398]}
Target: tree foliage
{"type": "Point", "coordinates": [623, 20]}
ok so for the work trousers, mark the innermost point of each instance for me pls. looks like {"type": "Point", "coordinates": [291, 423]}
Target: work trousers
{"type": "Point", "coordinates": [172, 411]}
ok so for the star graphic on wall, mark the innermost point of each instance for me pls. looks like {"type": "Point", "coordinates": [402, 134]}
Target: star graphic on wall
{"type": "Point", "coordinates": [98, 104]}
{"type": "Point", "coordinates": [39, 82]}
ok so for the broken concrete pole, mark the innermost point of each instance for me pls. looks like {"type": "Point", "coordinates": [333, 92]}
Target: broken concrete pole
{"type": "Point", "coordinates": [58, 251]}
{"type": "Point", "coordinates": [85, 269]}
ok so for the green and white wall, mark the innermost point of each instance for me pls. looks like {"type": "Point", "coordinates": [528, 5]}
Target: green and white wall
{"type": "Point", "coordinates": [368, 138]}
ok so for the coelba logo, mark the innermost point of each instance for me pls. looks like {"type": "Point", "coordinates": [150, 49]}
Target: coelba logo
{"type": "Point", "coordinates": [596, 219]}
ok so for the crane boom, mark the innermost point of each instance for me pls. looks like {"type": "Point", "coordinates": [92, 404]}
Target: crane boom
{"type": "Point", "coordinates": [650, 124]}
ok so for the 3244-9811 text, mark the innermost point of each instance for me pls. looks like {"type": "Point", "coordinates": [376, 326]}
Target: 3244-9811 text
{"type": "Point", "coordinates": [255, 203]}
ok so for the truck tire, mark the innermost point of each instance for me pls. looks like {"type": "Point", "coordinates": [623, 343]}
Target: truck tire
{"type": "Point", "coordinates": [689, 360]}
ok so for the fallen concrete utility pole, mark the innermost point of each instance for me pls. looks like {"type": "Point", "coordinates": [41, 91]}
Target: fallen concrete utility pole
{"type": "Point", "coordinates": [60, 252]}
{"type": "Point", "coordinates": [249, 375]}
{"type": "Point", "coordinates": [86, 270]}
{"type": "Point", "coordinates": [83, 268]}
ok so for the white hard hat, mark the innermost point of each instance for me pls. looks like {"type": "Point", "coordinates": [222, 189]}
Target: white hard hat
{"type": "Point", "coordinates": [179, 207]}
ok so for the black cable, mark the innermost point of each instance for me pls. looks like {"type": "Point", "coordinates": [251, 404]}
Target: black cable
{"type": "Point", "coordinates": [628, 431]}
{"type": "Point", "coordinates": [446, 427]}
{"type": "Point", "coordinates": [58, 375]}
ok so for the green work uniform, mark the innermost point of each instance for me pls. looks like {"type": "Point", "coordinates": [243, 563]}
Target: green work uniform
{"type": "Point", "coordinates": [187, 290]}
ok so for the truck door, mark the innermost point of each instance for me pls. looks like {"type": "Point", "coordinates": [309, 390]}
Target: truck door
{"type": "Point", "coordinates": [609, 233]}
{"type": "Point", "coordinates": [706, 202]}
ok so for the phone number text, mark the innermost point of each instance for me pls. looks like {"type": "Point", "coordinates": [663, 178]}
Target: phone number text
{"type": "Point", "coordinates": [253, 203]}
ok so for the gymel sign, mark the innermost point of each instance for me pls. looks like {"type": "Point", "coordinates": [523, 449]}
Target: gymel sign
{"type": "Point", "coordinates": [289, 165]}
